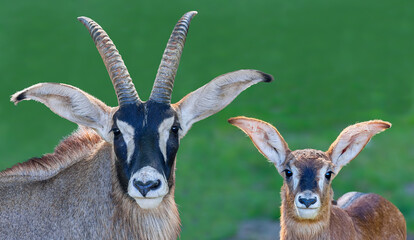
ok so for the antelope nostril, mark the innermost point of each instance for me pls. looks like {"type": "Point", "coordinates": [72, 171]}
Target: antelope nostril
{"type": "Point", "coordinates": [307, 201]}
{"type": "Point", "coordinates": [144, 188]}
{"type": "Point", "coordinates": [155, 185]}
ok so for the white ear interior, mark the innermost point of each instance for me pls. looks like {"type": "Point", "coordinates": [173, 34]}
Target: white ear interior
{"type": "Point", "coordinates": [72, 104]}
{"type": "Point", "coordinates": [265, 137]}
{"type": "Point", "coordinates": [352, 140]}
{"type": "Point", "coordinates": [215, 95]}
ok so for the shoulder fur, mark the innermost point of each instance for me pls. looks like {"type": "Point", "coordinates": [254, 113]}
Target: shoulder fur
{"type": "Point", "coordinates": [72, 149]}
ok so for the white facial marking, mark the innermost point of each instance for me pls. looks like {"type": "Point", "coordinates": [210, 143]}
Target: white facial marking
{"type": "Point", "coordinates": [164, 134]}
{"type": "Point", "coordinates": [183, 126]}
{"type": "Point", "coordinates": [148, 203]}
{"type": "Point", "coordinates": [321, 180]}
{"type": "Point", "coordinates": [153, 197]}
{"type": "Point", "coordinates": [307, 212]}
{"type": "Point", "coordinates": [128, 135]}
{"type": "Point", "coordinates": [296, 177]}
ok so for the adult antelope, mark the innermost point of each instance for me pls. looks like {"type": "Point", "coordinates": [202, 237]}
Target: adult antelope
{"type": "Point", "coordinates": [307, 211]}
{"type": "Point", "coordinates": [114, 177]}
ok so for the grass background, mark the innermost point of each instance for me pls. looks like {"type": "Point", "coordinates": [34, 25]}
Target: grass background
{"type": "Point", "coordinates": [335, 63]}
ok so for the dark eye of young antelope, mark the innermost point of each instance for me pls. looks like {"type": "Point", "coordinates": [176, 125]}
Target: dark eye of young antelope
{"type": "Point", "coordinates": [288, 174]}
{"type": "Point", "coordinates": [328, 175]}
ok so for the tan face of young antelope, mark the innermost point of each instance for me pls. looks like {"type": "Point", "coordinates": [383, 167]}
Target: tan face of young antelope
{"type": "Point", "coordinates": [307, 182]}
{"type": "Point", "coordinates": [308, 173]}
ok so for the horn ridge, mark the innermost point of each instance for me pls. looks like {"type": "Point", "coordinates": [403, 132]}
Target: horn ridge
{"type": "Point", "coordinates": [164, 81]}
{"type": "Point", "coordinates": [120, 77]}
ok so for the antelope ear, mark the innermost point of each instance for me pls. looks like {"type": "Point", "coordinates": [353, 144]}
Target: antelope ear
{"type": "Point", "coordinates": [215, 95]}
{"type": "Point", "coordinates": [266, 138]}
{"type": "Point", "coordinates": [71, 103]}
{"type": "Point", "coordinates": [352, 140]}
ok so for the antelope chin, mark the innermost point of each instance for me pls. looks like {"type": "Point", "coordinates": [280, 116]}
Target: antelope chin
{"type": "Point", "coordinates": [149, 203]}
{"type": "Point", "coordinates": [307, 213]}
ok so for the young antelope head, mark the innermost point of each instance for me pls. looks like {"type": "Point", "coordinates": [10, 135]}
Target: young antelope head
{"type": "Point", "coordinates": [308, 173]}
{"type": "Point", "coordinates": [145, 134]}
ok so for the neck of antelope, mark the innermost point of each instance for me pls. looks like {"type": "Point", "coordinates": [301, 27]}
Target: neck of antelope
{"type": "Point", "coordinates": [293, 227]}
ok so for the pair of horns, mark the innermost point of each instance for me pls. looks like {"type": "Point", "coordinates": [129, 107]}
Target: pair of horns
{"type": "Point", "coordinates": [164, 81]}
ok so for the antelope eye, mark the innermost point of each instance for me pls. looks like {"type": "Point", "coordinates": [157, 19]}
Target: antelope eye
{"type": "Point", "coordinates": [328, 175]}
{"type": "Point", "coordinates": [288, 173]}
{"type": "Point", "coordinates": [116, 132]}
{"type": "Point", "coordinates": [174, 129]}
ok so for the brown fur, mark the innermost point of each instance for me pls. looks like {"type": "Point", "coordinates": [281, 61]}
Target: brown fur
{"type": "Point", "coordinates": [82, 164]}
{"type": "Point", "coordinates": [369, 216]}
{"type": "Point", "coordinates": [69, 151]}
{"type": "Point", "coordinates": [374, 217]}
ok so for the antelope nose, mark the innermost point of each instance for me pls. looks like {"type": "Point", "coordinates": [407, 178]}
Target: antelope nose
{"type": "Point", "coordinates": [307, 201]}
{"type": "Point", "coordinates": [144, 188]}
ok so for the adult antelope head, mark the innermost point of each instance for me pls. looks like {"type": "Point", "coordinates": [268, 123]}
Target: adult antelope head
{"type": "Point", "coordinates": [145, 134]}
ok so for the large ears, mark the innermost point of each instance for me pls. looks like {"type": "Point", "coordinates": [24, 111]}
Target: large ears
{"type": "Point", "coordinates": [71, 103]}
{"type": "Point", "coordinates": [215, 95]}
{"type": "Point", "coordinates": [265, 137]}
{"type": "Point", "coordinates": [352, 140]}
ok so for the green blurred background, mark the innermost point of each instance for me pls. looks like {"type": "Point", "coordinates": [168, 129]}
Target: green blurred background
{"type": "Point", "coordinates": [335, 63]}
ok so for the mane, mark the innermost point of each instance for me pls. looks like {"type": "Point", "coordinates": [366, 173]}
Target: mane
{"type": "Point", "coordinates": [70, 150]}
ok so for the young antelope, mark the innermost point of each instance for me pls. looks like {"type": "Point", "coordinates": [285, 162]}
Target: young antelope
{"type": "Point", "coordinates": [308, 210]}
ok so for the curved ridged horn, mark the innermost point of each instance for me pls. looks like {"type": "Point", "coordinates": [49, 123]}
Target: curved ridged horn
{"type": "Point", "coordinates": [164, 81]}
{"type": "Point", "coordinates": [124, 88]}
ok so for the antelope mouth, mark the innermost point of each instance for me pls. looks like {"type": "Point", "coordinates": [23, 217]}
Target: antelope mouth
{"type": "Point", "coordinates": [307, 213]}
{"type": "Point", "coordinates": [302, 208]}
{"type": "Point", "coordinates": [148, 202]}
